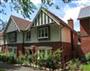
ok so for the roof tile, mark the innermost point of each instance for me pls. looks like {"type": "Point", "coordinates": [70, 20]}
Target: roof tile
{"type": "Point", "coordinates": [21, 23]}
{"type": "Point", "coordinates": [84, 12]}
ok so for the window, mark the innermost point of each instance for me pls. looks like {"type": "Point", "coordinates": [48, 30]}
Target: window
{"type": "Point", "coordinates": [12, 50]}
{"type": "Point", "coordinates": [12, 37]}
{"type": "Point", "coordinates": [28, 35]}
{"type": "Point", "coordinates": [43, 33]}
{"type": "Point", "coordinates": [44, 53]}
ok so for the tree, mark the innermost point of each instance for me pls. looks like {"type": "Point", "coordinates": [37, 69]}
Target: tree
{"type": "Point", "coordinates": [24, 7]}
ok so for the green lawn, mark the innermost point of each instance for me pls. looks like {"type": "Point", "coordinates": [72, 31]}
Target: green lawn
{"type": "Point", "coordinates": [86, 67]}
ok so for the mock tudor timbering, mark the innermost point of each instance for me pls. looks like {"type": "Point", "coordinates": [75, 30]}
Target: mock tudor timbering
{"type": "Point", "coordinates": [46, 31]}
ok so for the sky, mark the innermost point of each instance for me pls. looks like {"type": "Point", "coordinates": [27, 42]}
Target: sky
{"type": "Point", "coordinates": [65, 11]}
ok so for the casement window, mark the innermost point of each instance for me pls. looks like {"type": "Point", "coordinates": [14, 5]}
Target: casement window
{"type": "Point", "coordinates": [43, 33]}
{"type": "Point", "coordinates": [13, 49]}
{"type": "Point", "coordinates": [44, 53]}
{"type": "Point", "coordinates": [12, 37]}
{"type": "Point", "coordinates": [28, 35]}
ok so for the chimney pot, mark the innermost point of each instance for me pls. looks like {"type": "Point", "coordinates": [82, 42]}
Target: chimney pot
{"type": "Point", "coordinates": [70, 23]}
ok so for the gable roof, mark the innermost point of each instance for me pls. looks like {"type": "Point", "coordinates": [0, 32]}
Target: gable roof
{"type": "Point", "coordinates": [21, 24]}
{"type": "Point", "coordinates": [84, 12]}
{"type": "Point", "coordinates": [58, 20]}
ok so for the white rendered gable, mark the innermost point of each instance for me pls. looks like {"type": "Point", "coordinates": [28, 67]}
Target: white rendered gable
{"type": "Point", "coordinates": [11, 27]}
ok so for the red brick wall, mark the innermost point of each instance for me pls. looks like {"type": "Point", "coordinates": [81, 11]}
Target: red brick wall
{"type": "Point", "coordinates": [20, 49]}
{"type": "Point", "coordinates": [67, 51]}
{"type": "Point", "coordinates": [85, 44]}
{"type": "Point", "coordinates": [85, 27]}
{"type": "Point", "coordinates": [66, 47]}
{"type": "Point", "coordinates": [85, 36]}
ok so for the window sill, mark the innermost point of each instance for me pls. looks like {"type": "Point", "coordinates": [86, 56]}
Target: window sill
{"type": "Point", "coordinates": [43, 38]}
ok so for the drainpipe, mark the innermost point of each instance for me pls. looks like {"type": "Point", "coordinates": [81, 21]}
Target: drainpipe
{"type": "Point", "coordinates": [72, 45]}
{"type": "Point", "coordinates": [23, 32]}
{"type": "Point", "coordinates": [61, 44]}
{"type": "Point", "coordinates": [71, 25]}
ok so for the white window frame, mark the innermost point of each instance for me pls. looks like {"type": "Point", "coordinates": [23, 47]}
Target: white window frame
{"type": "Point", "coordinates": [41, 35]}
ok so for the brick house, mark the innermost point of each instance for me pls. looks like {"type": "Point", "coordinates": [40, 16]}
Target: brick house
{"type": "Point", "coordinates": [47, 32]}
{"type": "Point", "coordinates": [14, 34]}
{"type": "Point", "coordinates": [84, 18]}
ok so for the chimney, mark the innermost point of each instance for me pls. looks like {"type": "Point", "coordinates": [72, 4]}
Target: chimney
{"type": "Point", "coordinates": [70, 23]}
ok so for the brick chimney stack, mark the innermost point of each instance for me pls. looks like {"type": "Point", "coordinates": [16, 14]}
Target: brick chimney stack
{"type": "Point", "coordinates": [70, 23]}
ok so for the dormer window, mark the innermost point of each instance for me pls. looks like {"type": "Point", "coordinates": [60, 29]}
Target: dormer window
{"type": "Point", "coordinates": [43, 33]}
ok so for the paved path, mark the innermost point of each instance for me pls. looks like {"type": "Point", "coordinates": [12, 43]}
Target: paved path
{"type": "Point", "coordinates": [9, 67]}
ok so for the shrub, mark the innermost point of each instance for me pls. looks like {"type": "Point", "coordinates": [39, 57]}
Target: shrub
{"type": "Point", "coordinates": [21, 59]}
{"type": "Point", "coordinates": [83, 59]}
{"type": "Point", "coordinates": [29, 58]}
{"type": "Point", "coordinates": [87, 56]}
{"type": "Point", "coordinates": [52, 61]}
{"type": "Point", "coordinates": [73, 65]}
{"type": "Point", "coordinates": [11, 58]}
{"type": "Point", "coordinates": [4, 58]}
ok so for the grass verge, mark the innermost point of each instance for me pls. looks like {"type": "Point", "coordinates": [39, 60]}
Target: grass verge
{"type": "Point", "coordinates": [86, 67]}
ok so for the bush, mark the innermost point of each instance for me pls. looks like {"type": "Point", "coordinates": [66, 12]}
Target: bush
{"type": "Point", "coordinates": [52, 61]}
{"type": "Point", "coordinates": [29, 58]}
{"type": "Point", "coordinates": [87, 56]}
{"type": "Point", "coordinates": [4, 58]}
{"type": "Point", "coordinates": [8, 57]}
{"type": "Point", "coordinates": [1, 56]}
{"type": "Point", "coordinates": [83, 59]}
{"type": "Point", "coordinates": [21, 59]}
{"type": "Point", "coordinates": [12, 60]}
{"type": "Point", "coordinates": [73, 65]}
{"type": "Point", "coordinates": [41, 62]}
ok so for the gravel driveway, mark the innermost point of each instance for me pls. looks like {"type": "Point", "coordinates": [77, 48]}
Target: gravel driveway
{"type": "Point", "coordinates": [10, 67]}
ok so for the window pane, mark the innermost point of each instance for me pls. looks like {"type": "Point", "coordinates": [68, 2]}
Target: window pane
{"type": "Point", "coordinates": [28, 35]}
{"type": "Point", "coordinates": [43, 33]}
{"type": "Point", "coordinates": [39, 33]}
{"type": "Point", "coordinates": [46, 32]}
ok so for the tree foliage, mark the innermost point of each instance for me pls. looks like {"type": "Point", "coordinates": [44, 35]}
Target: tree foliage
{"type": "Point", "coordinates": [24, 7]}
